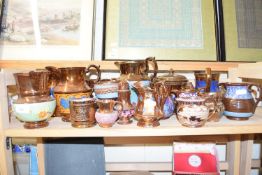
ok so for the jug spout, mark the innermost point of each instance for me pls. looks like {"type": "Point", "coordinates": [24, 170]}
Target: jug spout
{"type": "Point", "coordinates": [117, 63]}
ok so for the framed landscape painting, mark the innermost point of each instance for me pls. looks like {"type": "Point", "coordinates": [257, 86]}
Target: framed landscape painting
{"type": "Point", "coordinates": [47, 29]}
{"type": "Point", "coordinates": [168, 29]}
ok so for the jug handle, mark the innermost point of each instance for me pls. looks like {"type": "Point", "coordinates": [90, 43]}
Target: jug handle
{"type": "Point", "coordinates": [208, 80]}
{"type": "Point", "coordinates": [214, 104]}
{"type": "Point", "coordinates": [254, 92]}
{"type": "Point", "coordinates": [97, 68]}
{"type": "Point", "coordinates": [155, 66]}
{"type": "Point", "coordinates": [118, 103]}
{"type": "Point", "coordinates": [223, 85]}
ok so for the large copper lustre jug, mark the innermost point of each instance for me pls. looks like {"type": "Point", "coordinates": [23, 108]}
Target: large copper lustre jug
{"type": "Point", "coordinates": [71, 82]}
{"type": "Point", "coordinates": [34, 105]}
{"type": "Point", "coordinates": [133, 71]}
{"type": "Point", "coordinates": [137, 70]}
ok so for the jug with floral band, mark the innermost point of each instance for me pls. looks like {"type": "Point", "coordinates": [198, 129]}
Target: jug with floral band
{"type": "Point", "coordinates": [34, 104]}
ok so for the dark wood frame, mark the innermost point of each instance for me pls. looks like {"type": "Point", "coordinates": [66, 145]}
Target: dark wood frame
{"type": "Point", "coordinates": [219, 26]}
{"type": "Point", "coordinates": [2, 15]}
{"type": "Point", "coordinates": [104, 31]}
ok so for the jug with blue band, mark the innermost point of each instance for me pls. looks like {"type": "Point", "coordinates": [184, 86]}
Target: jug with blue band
{"type": "Point", "coordinates": [208, 81]}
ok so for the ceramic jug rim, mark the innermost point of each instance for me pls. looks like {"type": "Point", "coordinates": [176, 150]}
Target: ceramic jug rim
{"type": "Point", "coordinates": [175, 79]}
{"type": "Point", "coordinates": [65, 68]}
{"type": "Point", "coordinates": [203, 73]}
{"type": "Point", "coordinates": [105, 100]}
{"type": "Point", "coordinates": [28, 73]}
{"type": "Point", "coordinates": [85, 99]}
{"type": "Point", "coordinates": [130, 62]}
{"type": "Point", "coordinates": [107, 81]}
{"type": "Point", "coordinates": [191, 99]}
{"type": "Point", "coordinates": [238, 83]}
{"type": "Point", "coordinates": [22, 73]}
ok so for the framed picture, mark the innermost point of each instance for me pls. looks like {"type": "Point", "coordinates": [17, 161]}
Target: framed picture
{"type": "Point", "coordinates": [1, 2]}
{"type": "Point", "coordinates": [168, 30]}
{"type": "Point", "coordinates": [243, 30]}
{"type": "Point", "coordinates": [47, 29]}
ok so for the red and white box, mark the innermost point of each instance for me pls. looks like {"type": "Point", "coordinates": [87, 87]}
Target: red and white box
{"type": "Point", "coordinates": [195, 158]}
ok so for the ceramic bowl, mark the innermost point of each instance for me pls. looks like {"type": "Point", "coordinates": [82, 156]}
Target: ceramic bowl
{"type": "Point", "coordinates": [34, 112]}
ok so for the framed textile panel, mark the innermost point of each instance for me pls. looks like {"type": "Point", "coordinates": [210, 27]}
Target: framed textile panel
{"type": "Point", "coordinates": [167, 29]}
{"type": "Point", "coordinates": [243, 30]}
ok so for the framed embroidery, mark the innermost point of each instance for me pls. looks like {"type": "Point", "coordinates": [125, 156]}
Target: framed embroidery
{"type": "Point", "coordinates": [168, 30]}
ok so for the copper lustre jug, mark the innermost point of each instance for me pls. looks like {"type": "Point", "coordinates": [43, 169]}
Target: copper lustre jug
{"type": "Point", "coordinates": [108, 112]}
{"type": "Point", "coordinates": [241, 99]}
{"type": "Point", "coordinates": [150, 104]}
{"type": "Point", "coordinates": [32, 86]}
{"type": "Point", "coordinates": [124, 97]}
{"type": "Point", "coordinates": [71, 82]}
{"type": "Point", "coordinates": [34, 105]}
{"type": "Point", "coordinates": [207, 81]}
{"type": "Point", "coordinates": [137, 70]}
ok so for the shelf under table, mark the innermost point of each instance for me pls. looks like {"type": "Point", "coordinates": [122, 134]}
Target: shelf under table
{"type": "Point", "coordinates": [168, 127]}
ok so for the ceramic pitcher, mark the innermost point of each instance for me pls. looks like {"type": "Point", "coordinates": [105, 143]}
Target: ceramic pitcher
{"type": "Point", "coordinates": [137, 70]}
{"type": "Point", "coordinates": [133, 71]}
{"type": "Point", "coordinates": [32, 86]}
{"type": "Point", "coordinates": [240, 99]}
{"type": "Point", "coordinates": [108, 112]}
{"type": "Point", "coordinates": [162, 93]}
{"type": "Point", "coordinates": [207, 81]}
{"type": "Point", "coordinates": [150, 105]}
{"type": "Point", "coordinates": [34, 104]}
{"type": "Point", "coordinates": [124, 98]}
{"type": "Point", "coordinates": [71, 82]}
